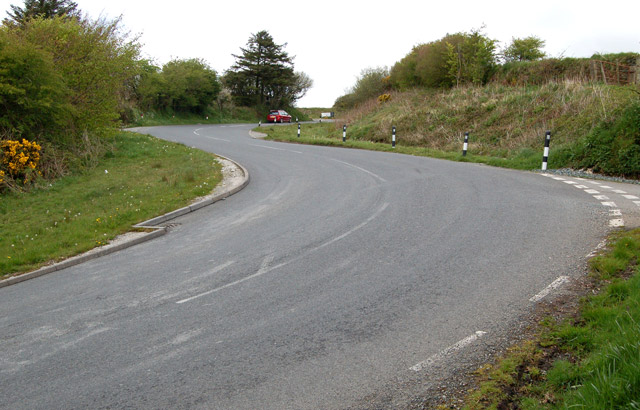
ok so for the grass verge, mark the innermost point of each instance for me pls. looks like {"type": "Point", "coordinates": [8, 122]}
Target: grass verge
{"type": "Point", "coordinates": [326, 134]}
{"type": "Point", "coordinates": [139, 178]}
{"type": "Point", "coordinates": [590, 360]}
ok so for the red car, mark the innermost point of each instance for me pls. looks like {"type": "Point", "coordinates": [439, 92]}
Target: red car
{"type": "Point", "coordinates": [278, 116]}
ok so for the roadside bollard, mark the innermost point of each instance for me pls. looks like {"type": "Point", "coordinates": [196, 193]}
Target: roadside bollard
{"type": "Point", "coordinates": [393, 137]}
{"type": "Point", "coordinates": [466, 144]}
{"type": "Point", "coordinates": [344, 133]}
{"type": "Point", "coordinates": [259, 123]}
{"type": "Point", "coordinates": [298, 130]}
{"type": "Point", "coordinates": [545, 155]}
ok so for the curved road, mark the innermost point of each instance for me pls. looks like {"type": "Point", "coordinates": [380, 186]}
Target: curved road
{"type": "Point", "coordinates": [337, 279]}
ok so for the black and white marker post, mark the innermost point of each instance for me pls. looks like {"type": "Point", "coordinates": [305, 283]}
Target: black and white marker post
{"type": "Point", "coordinates": [545, 156]}
{"type": "Point", "coordinates": [298, 130]}
{"type": "Point", "coordinates": [344, 133]}
{"type": "Point", "coordinates": [393, 137]}
{"type": "Point", "coordinates": [466, 144]}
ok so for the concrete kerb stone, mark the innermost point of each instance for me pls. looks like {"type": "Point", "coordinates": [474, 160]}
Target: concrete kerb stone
{"type": "Point", "coordinates": [257, 135]}
{"type": "Point", "coordinates": [221, 192]}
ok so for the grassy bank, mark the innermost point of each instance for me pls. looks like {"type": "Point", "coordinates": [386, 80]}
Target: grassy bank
{"type": "Point", "coordinates": [139, 178]}
{"type": "Point", "coordinates": [588, 360]}
{"type": "Point", "coordinates": [234, 116]}
{"type": "Point", "coordinates": [326, 134]}
{"type": "Point", "coordinates": [593, 126]}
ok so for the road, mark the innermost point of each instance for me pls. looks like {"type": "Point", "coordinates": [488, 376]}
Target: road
{"type": "Point", "coordinates": [336, 279]}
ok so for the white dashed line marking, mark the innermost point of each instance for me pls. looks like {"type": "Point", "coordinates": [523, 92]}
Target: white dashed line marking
{"type": "Point", "coordinates": [553, 286]}
{"type": "Point", "coordinates": [570, 182]}
{"type": "Point", "coordinates": [591, 191]}
{"type": "Point", "coordinates": [581, 186]}
{"type": "Point", "coordinates": [601, 197]}
{"type": "Point", "coordinates": [610, 204]}
{"type": "Point", "coordinates": [615, 212]}
{"type": "Point", "coordinates": [616, 223]}
{"type": "Point", "coordinates": [618, 191]}
{"type": "Point", "coordinates": [630, 196]}
{"type": "Point", "coordinates": [449, 350]}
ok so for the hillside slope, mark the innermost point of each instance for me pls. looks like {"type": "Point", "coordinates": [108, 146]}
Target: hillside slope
{"type": "Point", "coordinates": [511, 121]}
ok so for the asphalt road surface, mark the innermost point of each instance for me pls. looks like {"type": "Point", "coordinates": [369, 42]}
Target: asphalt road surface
{"type": "Point", "coordinates": [336, 279]}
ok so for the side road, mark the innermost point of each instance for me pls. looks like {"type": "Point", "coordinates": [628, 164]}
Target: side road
{"type": "Point", "coordinates": [235, 178]}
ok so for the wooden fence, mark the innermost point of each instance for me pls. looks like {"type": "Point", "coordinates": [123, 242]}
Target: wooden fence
{"type": "Point", "coordinates": [614, 73]}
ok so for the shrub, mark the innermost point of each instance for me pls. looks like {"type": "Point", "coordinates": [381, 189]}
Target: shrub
{"type": "Point", "coordinates": [613, 147]}
{"type": "Point", "coordinates": [18, 162]}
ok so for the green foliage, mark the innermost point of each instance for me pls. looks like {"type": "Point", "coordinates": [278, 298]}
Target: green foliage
{"type": "Point", "coordinates": [471, 59]}
{"type": "Point", "coordinates": [64, 83]}
{"type": "Point", "coordinates": [83, 52]}
{"type": "Point", "coordinates": [629, 58]}
{"type": "Point", "coordinates": [33, 94]}
{"type": "Point", "coordinates": [542, 71]}
{"type": "Point", "coordinates": [371, 83]}
{"type": "Point", "coordinates": [42, 9]}
{"type": "Point", "coordinates": [613, 147]}
{"type": "Point", "coordinates": [453, 60]}
{"type": "Point", "coordinates": [264, 75]}
{"type": "Point", "coordinates": [146, 177]}
{"type": "Point", "coordinates": [524, 49]}
{"type": "Point", "coordinates": [184, 86]}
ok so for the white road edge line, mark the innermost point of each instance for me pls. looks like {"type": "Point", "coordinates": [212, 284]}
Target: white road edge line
{"type": "Point", "coordinates": [597, 249]}
{"type": "Point", "coordinates": [451, 349]}
{"type": "Point", "coordinates": [554, 285]}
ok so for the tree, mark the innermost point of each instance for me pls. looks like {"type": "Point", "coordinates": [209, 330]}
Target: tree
{"type": "Point", "coordinates": [471, 59]}
{"type": "Point", "coordinates": [92, 68]}
{"type": "Point", "coordinates": [191, 85]}
{"type": "Point", "coordinates": [264, 74]}
{"type": "Point", "coordinates": [524, 49]}
{"type": "Point", "coordinates": [41, 8]}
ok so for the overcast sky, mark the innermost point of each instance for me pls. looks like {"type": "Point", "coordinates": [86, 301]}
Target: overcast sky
{"type": "Point", "coordinates": [332, 41]}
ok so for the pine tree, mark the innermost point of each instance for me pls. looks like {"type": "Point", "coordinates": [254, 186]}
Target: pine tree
{"type": "Point", "coordinates": [41, 8]}
{"type": "Point", "coordinates": [263, 74]}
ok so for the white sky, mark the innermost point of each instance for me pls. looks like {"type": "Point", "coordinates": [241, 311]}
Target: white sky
{"type": "Point", "coordinates": [332, 41]}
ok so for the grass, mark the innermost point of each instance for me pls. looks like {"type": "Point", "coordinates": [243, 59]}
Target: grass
{"type": "Point", "coordinates": [327, 134]}
{"type": "Point", "coordinates": [234, 116]}
{"type": "Point", "coordinates": [139, 178]}
{"type": "Point", "coordinates": [590, 361]}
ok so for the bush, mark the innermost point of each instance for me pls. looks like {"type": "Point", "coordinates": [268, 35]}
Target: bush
{"type": "Point", "coordinates": [18, 162]}
{"type": "Point", "coordinates": [613, 147]}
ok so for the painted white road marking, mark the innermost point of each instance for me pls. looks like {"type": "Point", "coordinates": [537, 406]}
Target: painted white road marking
{"type": "Point", "coordinates": [449, 350]}
{"type": "Point", "coordinates": [265, 268]}
{"type": "Point", "coordinates": [616, 223]}
{"type": "Point", "coordinates": [554, 285]}
{"type": "Point", "coordinates": [570, 182]}
{"type": "Point", "coordinates": [615, 212]}
{"type": "Point", "coordinates": [637, 202]}
{"type": "Point", "coordinates": [597, 249]}
{"type": "Point", "coordinates": [610, 204]}
{"type": "Point", "coordinates": [619, 191]}
{"type": "Point", "coordinates": [274, 148]}
{"type": "Point", "coordinates": [601, 197]}
{"type": "Point", "coordinates": [581, 186]}
{"type": "Point", "coordinates": [591, 191]}
{"type": "Point", "coordinates": [630, 196]}
{"type": "Point", "coordinates": [361, 169]}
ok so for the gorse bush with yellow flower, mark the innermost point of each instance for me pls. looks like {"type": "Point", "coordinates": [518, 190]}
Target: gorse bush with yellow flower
{"type": "Point", "coordinates": [18, 162]}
